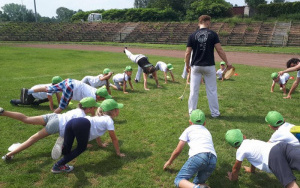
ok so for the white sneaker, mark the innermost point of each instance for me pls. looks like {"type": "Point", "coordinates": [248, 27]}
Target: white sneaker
{"type": "Point", "coordinates": [57, 148]}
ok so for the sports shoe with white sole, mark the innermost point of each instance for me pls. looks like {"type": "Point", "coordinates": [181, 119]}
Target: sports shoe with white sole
{"type": "Point", "coordinates": [1, 111]}
{"type": "Point", "coordinates": [59, 169]}
{"type": "Point", "coordinates": [7, 158]}
{"type": "Point", "coordinates": [57, 148]}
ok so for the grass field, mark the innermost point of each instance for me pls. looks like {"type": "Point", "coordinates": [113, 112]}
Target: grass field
{"type": "Point", "coordinates": [148, 126]}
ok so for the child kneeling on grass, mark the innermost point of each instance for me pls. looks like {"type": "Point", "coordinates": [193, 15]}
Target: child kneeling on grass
{"type": "Point", "coordinates": [282, 129]}
{"type": "Point", "coordinates": [279, 158]}
{"type": "Point", "coordinates": [122, 79]}
{"type": "Point", "coordinates": [87, 129]}
{"type": "Point", "coordinates": [281, 80]}
{"type": "Point", "coordinates": [202, 155]}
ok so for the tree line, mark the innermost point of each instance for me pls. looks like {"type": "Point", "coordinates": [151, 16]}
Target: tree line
{"type": "Point", "coordinates": [150, 10]}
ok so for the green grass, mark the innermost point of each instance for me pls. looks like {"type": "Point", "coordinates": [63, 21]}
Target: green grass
{"type": "Point", "coordinates": [249, 49]}
{"type": "Point", "coordinates": [148, 126]}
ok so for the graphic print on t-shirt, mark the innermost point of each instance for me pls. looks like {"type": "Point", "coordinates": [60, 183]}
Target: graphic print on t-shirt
{"type": "Point", "coordinates": [201, 37]}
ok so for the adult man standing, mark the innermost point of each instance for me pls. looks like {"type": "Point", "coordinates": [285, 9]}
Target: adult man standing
{"type": "Point", "coordinates": [292, 65]}
{"type": "Point", "coordinates": [202, 43]}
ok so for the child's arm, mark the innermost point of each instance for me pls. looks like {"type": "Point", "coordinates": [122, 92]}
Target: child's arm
{"type": "Point", "coordinates": [58, 97]}
{"type": "Point", "coordinates": [51, 102]}
{"type": "Point", "coordinates": [284, 89]}
{"type": "Point", "coordinates": [100, 144]}
{"type": "Point", "coordinates": [234, 175]}
{"type": "Point", "coordinates": [130, 85]}
{"type": "Point", "coordinates": [106, 77]}
{"type": "Point", "coordinates": [172, 76]}
{"type": "Point", "coordinates": [272, 87]}
{"type": "Point", "coordinates": [124, 87]}
{"type": "Point", "coordinates": [116, 143]}
{"type": "Point", "coordinates": [175, 153]}
{"type": "Point", "coordinates": [166, 79]}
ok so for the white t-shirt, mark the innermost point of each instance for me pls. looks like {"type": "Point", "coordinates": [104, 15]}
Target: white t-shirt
{"type": "Point", "coordinates": [256, 152]}
{"type": "Point", "coordinates": [82, 90]}
{"type": "Point", "coordinates": [219, 73]}
{"type": "Point", "coordinates": [298, 74]}
{"type": "Point", "coordinates": [95, 81]}
{"type": "Point", "coordinates": [284, 78]}
{"type": "Point", "coordinates": [41, 95]}
{"type": "Point", "coordinates": [283, 134]}
{"type": "Point", "coordinates": [199, 139]}
{"type": "Point", "coordinates": [99, 125]}
{"type": "Point", "coordinates": [162, 66]}
{"type": "Point", "coordinates": [65, 117]}
{"type": "Point", "coordinates": [120, 77]}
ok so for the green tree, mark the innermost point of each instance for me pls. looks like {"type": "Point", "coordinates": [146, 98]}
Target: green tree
{"type": "Point", "coordinates": [18, 13]}
{"type": "Point", "coordinates": [3, 17]}
{"type": "Point", "coordinates": [64, 14]}
{"type": "Point", "coordinates": [214, 8]}
{"type": "Point", "coordinates": [141, 3]}
{"type": "Point", "coordinates": [278, 1]}
{"type": "Point", "coordinates": [255, 3]}
{"type": "Point", "coordinates": [177, 5]}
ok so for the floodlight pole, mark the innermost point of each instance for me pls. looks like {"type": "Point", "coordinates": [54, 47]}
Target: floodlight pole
{"type": "Point", "coordinates": [35, 11]}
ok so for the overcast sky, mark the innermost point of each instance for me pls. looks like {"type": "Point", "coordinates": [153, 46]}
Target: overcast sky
{"type": "Point", "coordinates": [48, 7]}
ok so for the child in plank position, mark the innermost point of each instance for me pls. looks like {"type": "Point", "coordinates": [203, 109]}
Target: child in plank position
{"type": "Point", "coordinates": [100, 80]}
{"type": "Point", "coordinates": [122, 79]}
{"type": "Point", "coordinates": [143, 64]}
{"type": "Point", "coordinates": [202, 155]}
{"type": "Point", "coordinates": [279, 158]}
{"type": "Point", "coordinates": [281, 80]}
{"type": "Point", "coordinates": [52, 123]}
{"type": "Point", "coordinates": [162, 66]}
{"type": "Point", "coordinates": [87, 129]}
{"type": "Point", "coordinates": [220, 71]}
{"type": "Point", "coordinates": [282, 129]}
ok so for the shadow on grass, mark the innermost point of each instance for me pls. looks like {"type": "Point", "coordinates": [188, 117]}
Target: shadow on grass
{"type": "Point", "coordinates": [105, 167]}
{"type": "Point", "coordinates": [233, 118]}
{"type": "Point", "coordinates": [258, 179]}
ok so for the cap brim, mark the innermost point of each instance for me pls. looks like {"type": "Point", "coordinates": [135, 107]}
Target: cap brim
{"type": "Point", "coordinates": [108, 97]}
{"type": "Point", "coordinates": [171, 68]}
{"type": "Point", "coordinates": [97, 105]}
{"type": "Point", "coordinates": [120, 105]}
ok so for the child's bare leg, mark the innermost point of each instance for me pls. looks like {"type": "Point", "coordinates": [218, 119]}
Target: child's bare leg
{"type": "Point", "coordinates": [33, 139]}
{"type": "Point", "coordinates": [145, 81]}
{"type": "Point", "coordinates": [156, 80]}
{"type": "Point", "coordinates": [293, 184]}
{"type": "Point", "coordinates": [35, 120]}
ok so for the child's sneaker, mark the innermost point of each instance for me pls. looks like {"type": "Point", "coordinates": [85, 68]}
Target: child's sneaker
{"type": "Point", "coordinates": [295, 129]}
{"type": "Point", "coordinates": [57, 148]}
{"type": "Point", "coordinates": [63, 168]}
{"type": "Point", "coordinates": [1, 111]}
{"type": "Point", "coordinates": [7, 158]}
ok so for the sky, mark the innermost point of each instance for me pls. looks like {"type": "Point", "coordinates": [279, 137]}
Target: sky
{"type": "Point", "coordinates": [48, 7]}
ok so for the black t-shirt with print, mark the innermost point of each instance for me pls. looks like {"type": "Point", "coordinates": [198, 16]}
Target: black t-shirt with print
{"type": "Point", "coordinates": [203, 42]}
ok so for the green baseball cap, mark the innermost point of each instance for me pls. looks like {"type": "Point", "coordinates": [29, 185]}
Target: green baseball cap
{"type": "Point", "coordinates": [222, 63]}
{"type": "Point", "coordinates": [234, 137]}
{"type": "Point", "coordinates": [274, 119]}
{"type": "Point", "coordinates": [170, 66]}
{"type": "Point", "coordinates": [89, 102]}
{"type": "Point", "coordinates": [197, 117]}
{"type": "Point", "coordinates": [110, 104]}
{"type": "Point", "coordinates": [102, 92]}
{"type": "Point", "coordinates": [128, 68]}
{"type": "Point", "coordinates": [274, 75]}
{"type": "Point", "coordinates": [106, 71]}
{"type": "Point", "coordinates": [56, 79]}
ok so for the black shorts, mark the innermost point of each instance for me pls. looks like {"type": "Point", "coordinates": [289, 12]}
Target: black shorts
{"type": "Point", "coordinates": [284, 158]}
{"type": "Point", "coordinates": [147, 67]}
